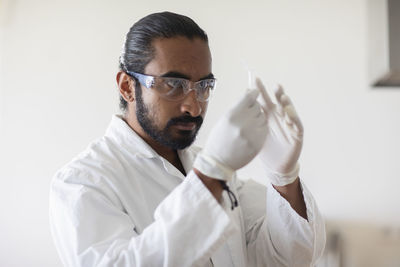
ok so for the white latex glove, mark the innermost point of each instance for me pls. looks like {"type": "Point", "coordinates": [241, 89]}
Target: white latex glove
{"type": "Point", "coordinates": [235, 140]}
{"type": "Point", "coordinates": [284, 141]}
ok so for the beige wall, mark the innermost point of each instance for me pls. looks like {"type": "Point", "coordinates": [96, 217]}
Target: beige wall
{"type": "Point", "coordinates": [57, 93]}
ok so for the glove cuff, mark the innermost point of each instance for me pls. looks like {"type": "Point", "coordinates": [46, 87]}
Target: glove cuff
{"type": "Point", "coordinates": [280, 179]}
{"type": "Point", "coordinates": [211, 167]}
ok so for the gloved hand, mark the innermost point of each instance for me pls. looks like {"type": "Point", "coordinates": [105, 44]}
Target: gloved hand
{"type": "Point", "coordinates": [284, 141]}
{"type": "Point", "coordinates": [235, 140]}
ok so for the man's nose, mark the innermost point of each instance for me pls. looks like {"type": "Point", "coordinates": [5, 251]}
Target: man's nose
{"type": "Point", "coordinates": [191, 105]}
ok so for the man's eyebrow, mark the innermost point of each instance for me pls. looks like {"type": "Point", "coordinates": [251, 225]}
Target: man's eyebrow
{"type": "Point", "coordinates": [209, 76]}
{"type": "Point", "coordinates": [176, 74]}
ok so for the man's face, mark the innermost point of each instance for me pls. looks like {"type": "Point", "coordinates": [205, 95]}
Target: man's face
{"type": "Point", "coordinates": [174, 124]}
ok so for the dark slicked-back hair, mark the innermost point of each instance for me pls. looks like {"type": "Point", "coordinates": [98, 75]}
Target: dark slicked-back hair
{"type": "Point", "coordinates": [138, 50]}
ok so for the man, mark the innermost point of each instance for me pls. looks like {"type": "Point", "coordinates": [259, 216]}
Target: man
{"type": "Point", "coordinates": [142, 196]}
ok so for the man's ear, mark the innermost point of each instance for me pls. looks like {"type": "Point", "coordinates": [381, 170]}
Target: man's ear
{"type": "Point", "coordinates": [126, 86]}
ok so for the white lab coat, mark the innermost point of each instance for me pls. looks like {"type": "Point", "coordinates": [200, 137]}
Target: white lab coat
{"type": "Point", "coordinates": [120, 204]}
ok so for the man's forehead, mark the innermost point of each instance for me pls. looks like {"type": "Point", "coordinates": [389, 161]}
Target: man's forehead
{"type": "Point", "coordinates": [176, 41]}
{"type": "Point", "coordinates": [180, 55]}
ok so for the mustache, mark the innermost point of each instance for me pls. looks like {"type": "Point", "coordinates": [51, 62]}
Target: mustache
{"type": "Point", "coordinates": [185, 119]}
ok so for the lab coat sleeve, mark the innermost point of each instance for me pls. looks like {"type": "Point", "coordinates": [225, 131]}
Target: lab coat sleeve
{"type": "Point", "coordinates": [275, 234]}
{"type": "Point", "coordinates": [90, 227]}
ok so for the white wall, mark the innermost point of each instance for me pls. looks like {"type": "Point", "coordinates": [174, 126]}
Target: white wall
{"type": "Point", "coordinates": [58, 91]}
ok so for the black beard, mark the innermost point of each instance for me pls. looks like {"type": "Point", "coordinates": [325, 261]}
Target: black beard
{"type": "Point", "coordinates": [163, 136]}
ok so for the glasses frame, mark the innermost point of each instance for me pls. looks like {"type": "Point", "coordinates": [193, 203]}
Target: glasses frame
{"type": "Point", "coordinates": [148, 81]}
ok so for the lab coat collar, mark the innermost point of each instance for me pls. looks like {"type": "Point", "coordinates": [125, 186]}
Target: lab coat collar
{"type": "Point", "coordinates": [122, 134]}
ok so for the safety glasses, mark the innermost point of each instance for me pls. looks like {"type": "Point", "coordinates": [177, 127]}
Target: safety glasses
{"type": "Point", "coordinates": [176, 89]}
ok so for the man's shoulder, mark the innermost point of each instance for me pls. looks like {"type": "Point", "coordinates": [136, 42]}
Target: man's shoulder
{"type": "Point", "coordinates": [94, 171]}
{"type": "Point", "coordinates": [98, 157]}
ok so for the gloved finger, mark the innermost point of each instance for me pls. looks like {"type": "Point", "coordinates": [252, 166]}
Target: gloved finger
{"type": "Point", "coordinates": [259, 114]}
{"type": "Point", "coordinates": [290, 111]}
{"type": "Point", "coordinates": [267, 100]}
{"type": "Point", "coordinates": [278, 127]}
{"type": "Point", "coordinates": [256, 109]}
{"type": "Point", "coordinates": [294, 118]}
{"type": "Point", "coordinates": [249, 98]}
{"type": "Point", "coordinates": [279, 111]}
{"type": "Point", "coordinates": [288, 108]}
{"type": "Point", "coordinates": [288, 119]}
{"type": "Point", "coordinates": [299, 126]}
{"type": "Point", "coordinates": [253, 111]}
{"type": "Point", "coordinates": [278, 92]}
{"type": "Point", "coordinates": [285, 100]}
{"type": "Point", "coordinates": [257, 121]}
{"type": "Point", "coordinates": [295, 133]}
